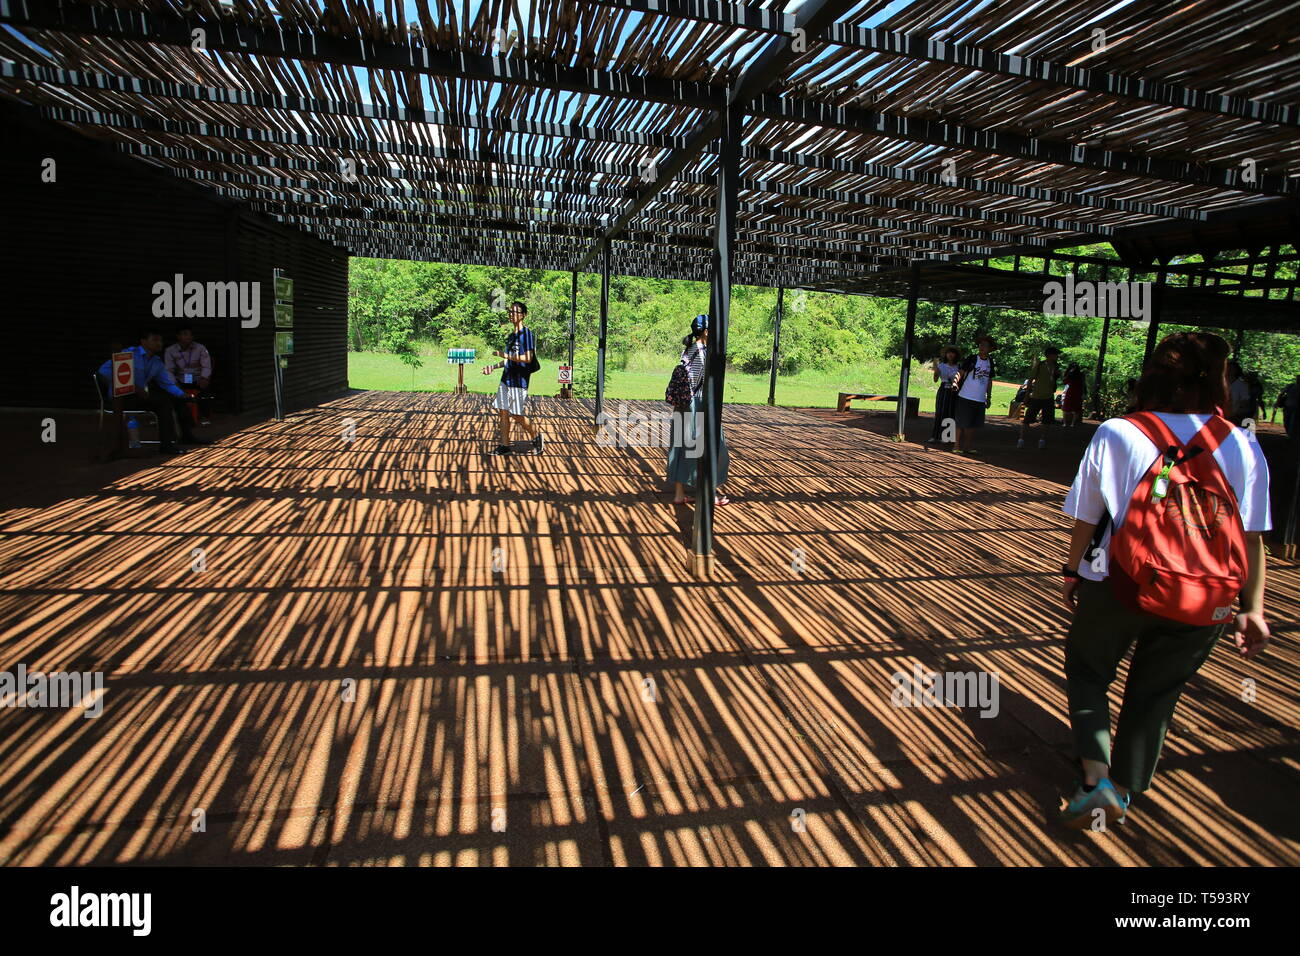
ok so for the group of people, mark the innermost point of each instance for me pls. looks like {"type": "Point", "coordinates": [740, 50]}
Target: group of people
{"type": "Point", "coordinates": [1166, 554]}
{"type": "Point", "coordinates": [518, 359]}
{"type": "Point", "coordinates": [965, 392]}
{"type": "Point", "coordinates": [1246, 399]}
{"type": "Point", "coordinates": [174, 383]}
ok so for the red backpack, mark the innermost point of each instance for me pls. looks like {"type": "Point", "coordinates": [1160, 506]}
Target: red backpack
{"type": "Point", "coordinates": [1181, 551]}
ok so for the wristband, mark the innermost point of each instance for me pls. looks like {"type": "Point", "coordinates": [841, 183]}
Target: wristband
{"type": "Point", "coordinates": [1069, 572]}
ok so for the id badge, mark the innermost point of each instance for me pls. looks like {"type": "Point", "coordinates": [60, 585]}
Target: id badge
{"type": "Point", "coordinates": [189, 378]}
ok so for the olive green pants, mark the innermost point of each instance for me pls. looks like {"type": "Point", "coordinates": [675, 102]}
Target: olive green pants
{"type": "Point", "coordinates": [1166, 654]}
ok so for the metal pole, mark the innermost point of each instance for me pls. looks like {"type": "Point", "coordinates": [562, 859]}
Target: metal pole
{"type": "Point", "coordinates": [956, 314]}
{"type": "Point", "coordinates": [909, 330]}
{"type": "Point", "coordinates": [1101, 363]}
{"type": "Point", "coordinates": [776, 343]}
{"type": "Point", "coordinates": [604, 327]}
{"type": "Point", "coordinates": [567, 391]}
{"type": "Point", "coordinates": [719, 309]}
{"type": "Point", "coordinates": [1157, 295]}
{"type": "Point", "coordinates": [1288, 534]}
{"type": "Point", "coordinates": [277, 382]}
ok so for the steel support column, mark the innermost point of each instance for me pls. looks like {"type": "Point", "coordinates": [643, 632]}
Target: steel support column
{"type": "Point", "coordinates": [1153, 331]}
{"type": "Point", "coordinates": [567, 391]}
{"type": "Point", "coordinates": [776, 343]}
{"type": "Point", "coordinates": [1101, 366]}
{"type": "Point", "coordinates": [732, 121]}
{"type": "Point", "coordinates": [909, 331]}
{"type": "Point", "coordinates": [1289, 529]}
{"type": "Point", "coordinates": [604, 328]}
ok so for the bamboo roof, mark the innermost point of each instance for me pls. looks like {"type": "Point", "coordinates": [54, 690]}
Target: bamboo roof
{"type": "Point", "coordinates": [530, 133]}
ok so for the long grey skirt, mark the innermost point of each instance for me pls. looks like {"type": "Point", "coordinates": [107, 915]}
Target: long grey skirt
{"type": "Point", "coordinates": [686, 438]}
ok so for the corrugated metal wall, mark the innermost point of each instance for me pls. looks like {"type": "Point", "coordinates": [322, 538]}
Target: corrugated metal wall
{"type": "Point", "coordinates": [80, 256]}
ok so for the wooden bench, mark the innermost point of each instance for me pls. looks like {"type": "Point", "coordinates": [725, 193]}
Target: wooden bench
{"type": "Point", "coordinates": [913, 402]}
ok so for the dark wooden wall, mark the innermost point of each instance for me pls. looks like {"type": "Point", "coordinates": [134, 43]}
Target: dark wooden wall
{"type": "Point", "coordinates": [79, 258]}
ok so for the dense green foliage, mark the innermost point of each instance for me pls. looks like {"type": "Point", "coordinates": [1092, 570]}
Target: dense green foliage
{"type": "Point", "coordinates": [395, 305]}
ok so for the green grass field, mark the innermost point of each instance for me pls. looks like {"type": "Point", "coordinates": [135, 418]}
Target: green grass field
{"type": "Point", "coordinates": [385, 372]}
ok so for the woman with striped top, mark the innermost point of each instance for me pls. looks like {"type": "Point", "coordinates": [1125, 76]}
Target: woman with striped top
{"type": "Point", "coordinates": [686, 437]}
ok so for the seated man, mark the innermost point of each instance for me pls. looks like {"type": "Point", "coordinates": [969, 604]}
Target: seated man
{"type": "Point", "coordinates": [190, 366]}
{"type": "Point", "coordinates": [155, 388]}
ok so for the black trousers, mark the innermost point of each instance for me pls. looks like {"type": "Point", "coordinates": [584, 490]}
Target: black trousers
{"type": "Point", "coordinates": [166, 406]}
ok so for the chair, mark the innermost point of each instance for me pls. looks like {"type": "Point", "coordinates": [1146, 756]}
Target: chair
{"type": "Point", "coordinates": [106, 409]}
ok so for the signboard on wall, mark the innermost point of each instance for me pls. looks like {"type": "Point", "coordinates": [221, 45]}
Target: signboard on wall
{"type": "Point", "coordinates": [283, 300]}
{"type": "Point", "coordinates": [123, 374]}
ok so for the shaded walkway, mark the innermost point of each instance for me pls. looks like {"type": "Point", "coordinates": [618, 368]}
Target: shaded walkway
{"type": "Point", "coordinates": [527, 652]}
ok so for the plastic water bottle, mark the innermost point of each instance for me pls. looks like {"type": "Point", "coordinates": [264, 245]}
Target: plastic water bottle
{"type": "Point", "coordinates": [132, 433]}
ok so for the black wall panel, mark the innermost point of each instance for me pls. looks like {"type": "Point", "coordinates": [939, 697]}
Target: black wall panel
{"type": "Point", "coordinates": [79, 258]}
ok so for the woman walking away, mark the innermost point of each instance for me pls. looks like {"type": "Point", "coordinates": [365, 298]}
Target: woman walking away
{"type": "Point", "coordinates": [945, 399]}
{"type": "Point", "coordinates": [1072, 401]}
{"type": "Point", "coordinates": [688, 419]}
{"type": "Point", "coordinates": [1170, 505]}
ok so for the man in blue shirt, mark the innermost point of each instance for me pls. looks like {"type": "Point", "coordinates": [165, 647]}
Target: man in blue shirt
{"type": "Point", "coordinates": [512, 393]}
{"type": "Point", "coordinates": [155, 388]}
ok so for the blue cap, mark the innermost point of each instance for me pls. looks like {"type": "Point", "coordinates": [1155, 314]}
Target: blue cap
{"type": "Point", "coordinates": [699, 323]}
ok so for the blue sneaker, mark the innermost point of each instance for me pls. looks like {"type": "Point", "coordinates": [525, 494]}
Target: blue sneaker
{"type": "Point", "coordinates": [1080, 812]}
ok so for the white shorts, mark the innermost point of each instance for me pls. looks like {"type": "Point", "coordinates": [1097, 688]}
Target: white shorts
{"type": "Point", "coordinates": [510, 399]}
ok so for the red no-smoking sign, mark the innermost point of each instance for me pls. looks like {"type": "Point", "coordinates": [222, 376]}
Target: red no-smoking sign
{"type": "Point", "coordinates": [123, 373]}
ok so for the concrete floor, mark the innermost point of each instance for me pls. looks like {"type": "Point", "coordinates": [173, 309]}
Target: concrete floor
{"type": "Point", "coordinates": [405, 651]}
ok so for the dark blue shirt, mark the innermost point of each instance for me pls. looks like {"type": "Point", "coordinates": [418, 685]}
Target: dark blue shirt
{"type": "Point", "coordinates": [513, 374]}
{"type": "Point", "coordinates": [149, 368]}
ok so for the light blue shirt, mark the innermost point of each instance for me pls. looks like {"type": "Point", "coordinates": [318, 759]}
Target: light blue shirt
{"type": "Point", "coordinates": [148, 369]}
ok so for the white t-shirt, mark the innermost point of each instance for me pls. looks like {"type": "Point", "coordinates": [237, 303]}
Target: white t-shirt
{"type": "Point", "coordinates": [1120, 455]}
{"type": "Point", "coordinates": [947, 373]}
{"type": "Point", "coordinates": [976, 386]}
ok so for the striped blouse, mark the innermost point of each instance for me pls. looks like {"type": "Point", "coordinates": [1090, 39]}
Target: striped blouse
{"type": "Point", "coordinates": [693, 359]}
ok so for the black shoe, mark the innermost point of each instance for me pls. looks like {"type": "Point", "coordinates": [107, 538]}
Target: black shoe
{"type": "Point", "coordinates": [537, 443]}
{"type": "Point", "coordinates": [195, 440]}
{"type": "Point", "coordinates": [169, 450]}
{"type": "Point", "coordinates": [502, 450]}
